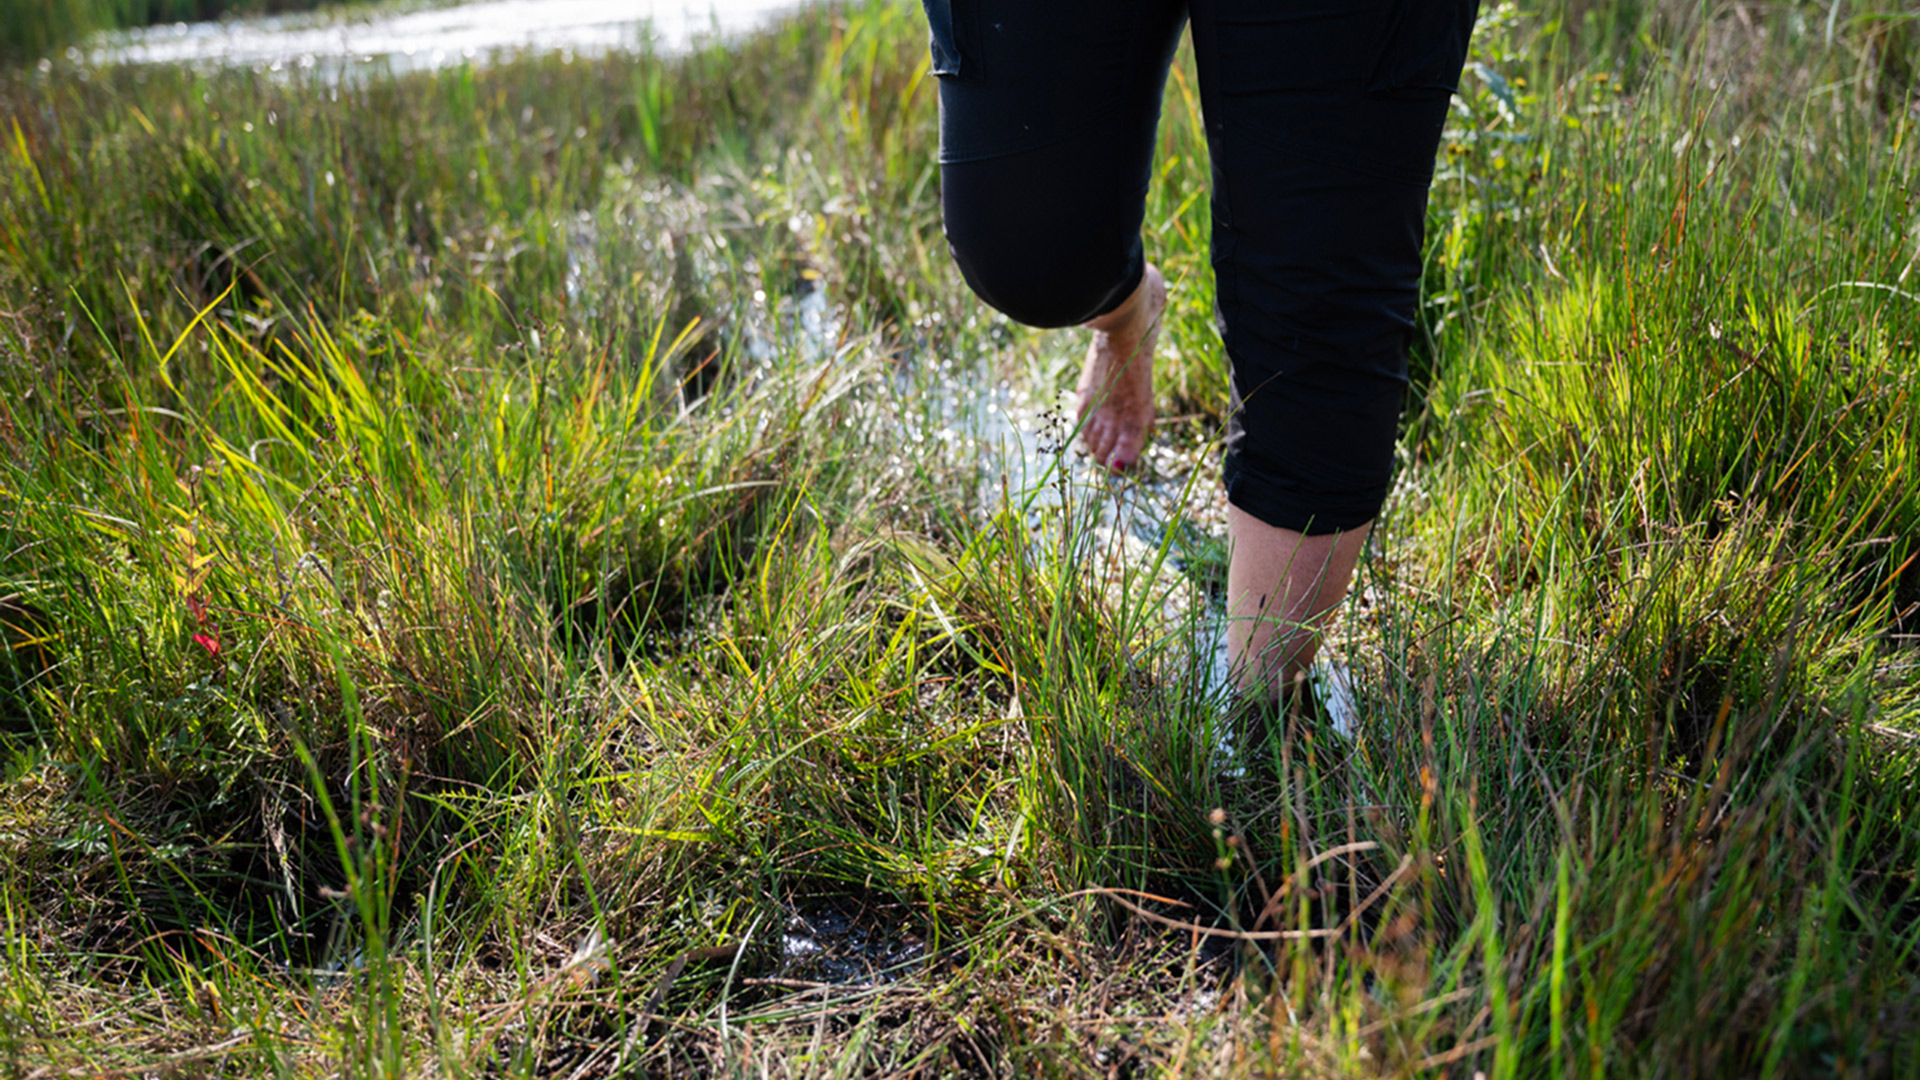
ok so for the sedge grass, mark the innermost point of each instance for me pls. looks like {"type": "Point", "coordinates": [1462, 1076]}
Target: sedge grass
{"type": "Point", "coordinates": [461, 608]}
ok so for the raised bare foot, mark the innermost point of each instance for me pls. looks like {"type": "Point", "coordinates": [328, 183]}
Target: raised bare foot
{"type": "Point", "coordinates": [1116, 385]}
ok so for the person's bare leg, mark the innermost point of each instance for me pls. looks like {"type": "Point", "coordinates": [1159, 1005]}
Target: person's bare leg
{"type": "Point", "coordinates": [1281, 588]}
{"type": "Point", "coordinates": [1116, 384]}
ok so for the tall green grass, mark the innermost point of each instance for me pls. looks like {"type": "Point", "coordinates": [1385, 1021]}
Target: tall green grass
{"type": "Point", "coordinates": [458, 618]}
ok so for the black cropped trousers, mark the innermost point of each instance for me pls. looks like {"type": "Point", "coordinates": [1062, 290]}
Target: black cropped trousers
{"type": "Point", "coordinates": [1322, 118]}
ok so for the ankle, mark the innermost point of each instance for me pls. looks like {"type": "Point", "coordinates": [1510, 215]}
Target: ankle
{"type": "Point", "coordinates": [1134, 313]}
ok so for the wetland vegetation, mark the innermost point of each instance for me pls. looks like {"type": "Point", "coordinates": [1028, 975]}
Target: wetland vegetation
{"type": "Point", "coordinates": [509, 571]}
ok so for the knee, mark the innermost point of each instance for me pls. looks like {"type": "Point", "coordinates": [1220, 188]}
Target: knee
{"type": "Point", "coordinates": [1044, 280]}
{"type": "Point", "coordinates": [1034, 242]}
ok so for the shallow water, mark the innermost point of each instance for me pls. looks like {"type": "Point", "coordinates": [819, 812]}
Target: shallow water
{"type": "Point", "coordinates": [824, 943]}
{"type": "Point", "coordinates": [422, 39]}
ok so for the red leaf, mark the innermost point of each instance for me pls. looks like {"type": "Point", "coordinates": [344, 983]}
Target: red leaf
{"type": "Point", "coordinates": [208, 642]}
{"type": "Point", "coordinates": [198, 607]}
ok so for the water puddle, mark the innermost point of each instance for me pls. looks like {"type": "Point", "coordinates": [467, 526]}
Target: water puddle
{"type": "Point", "coordinates": [414, 39]}
{"type": "Point", "coordinates": [823, 944]}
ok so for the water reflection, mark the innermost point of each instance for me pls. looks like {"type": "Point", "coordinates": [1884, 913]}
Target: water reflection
{"type": "Point", "coordinates": [414, 39]}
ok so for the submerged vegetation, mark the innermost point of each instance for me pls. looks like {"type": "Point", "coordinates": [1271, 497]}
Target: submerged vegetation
{"type": "Point", "coordinates": [497, 564]}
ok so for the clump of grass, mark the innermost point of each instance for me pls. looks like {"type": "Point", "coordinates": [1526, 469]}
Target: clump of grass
{"type": "Point", "coordinates": [484, 554]}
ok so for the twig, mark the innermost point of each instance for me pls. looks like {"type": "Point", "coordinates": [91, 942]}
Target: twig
{"type": "Point", "coordinates": [1455, 1054]}
{"type": "Point", "coordinates": [1424, 1007]}
{"type": "Point", "coordinates": [1209, 931]}
{"type": "Point", "coordinates": [1298, 878]}
{"type": "Point", "coordinates": [804, 985]}
{"type": "Point", "coordinates": [856, 1003]}
{"type": "Point", "coordinates": [1406, 862]}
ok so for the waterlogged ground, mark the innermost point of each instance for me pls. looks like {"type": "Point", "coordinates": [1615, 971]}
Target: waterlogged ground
{"type": "Point", "coordinates": [526, 559]}
{"type": "Point", "coordinates": [410, 38]}
{"type": "Point", "coordinates": [1164, 521]}
{"type": "Point", "coordinates": [1025, 443]}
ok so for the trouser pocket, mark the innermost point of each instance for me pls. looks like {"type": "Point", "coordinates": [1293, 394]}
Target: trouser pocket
{"type": "Point", "coordinates": [951, 38]}
{"type": "Point", "coordinates": [1424, 49]}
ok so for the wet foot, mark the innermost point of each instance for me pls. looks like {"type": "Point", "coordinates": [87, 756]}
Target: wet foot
{"type": "Point", "coordinates": [1116, 385]}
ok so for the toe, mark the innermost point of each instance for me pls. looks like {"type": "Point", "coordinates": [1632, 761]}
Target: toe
{"type": "Point", "coordinates": [1126, 449]}
{"type": "Point", "coordinates": [1099, 439]}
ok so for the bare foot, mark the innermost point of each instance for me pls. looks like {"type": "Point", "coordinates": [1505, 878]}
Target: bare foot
{"type": "Point", "coordinates": [1116, 385]}
{"type": "Point", "coordinates": [1116, 389]}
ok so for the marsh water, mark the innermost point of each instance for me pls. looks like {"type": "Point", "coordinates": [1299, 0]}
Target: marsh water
{"type": "Point", "coordinates": [415, 37]}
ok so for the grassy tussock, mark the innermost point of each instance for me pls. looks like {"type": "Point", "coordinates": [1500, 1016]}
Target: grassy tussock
{"type": "Point", "coordinates": [459, 619]}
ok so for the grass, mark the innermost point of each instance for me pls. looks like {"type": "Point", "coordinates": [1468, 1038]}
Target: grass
{"type": "Point", "coordinates": [460, 620]}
